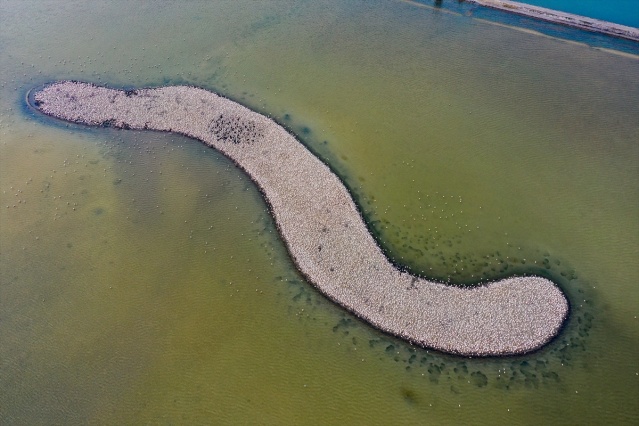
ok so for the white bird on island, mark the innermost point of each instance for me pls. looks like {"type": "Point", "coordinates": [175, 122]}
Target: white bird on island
{"type": "Point", "coordinates": [322, 227]}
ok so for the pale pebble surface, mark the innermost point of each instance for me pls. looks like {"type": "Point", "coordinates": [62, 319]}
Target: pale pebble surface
{"type": "Point", "coordinates": [322, 228]}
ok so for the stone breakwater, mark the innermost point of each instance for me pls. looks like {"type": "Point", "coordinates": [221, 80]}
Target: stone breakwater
{"type": "Point", "coordinates": [322, 228]}
{"type": "Point", "coordinates": [563, 18]}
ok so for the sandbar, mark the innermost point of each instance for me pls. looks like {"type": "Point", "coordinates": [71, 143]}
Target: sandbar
{"type": "Point", "coordinates": [322, 227]}
{"type": "Point", "coordinates": [563, 18]}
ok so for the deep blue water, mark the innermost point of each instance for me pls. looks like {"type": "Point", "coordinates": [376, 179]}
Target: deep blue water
{"type": "Point", "coordinates": [624, 12]}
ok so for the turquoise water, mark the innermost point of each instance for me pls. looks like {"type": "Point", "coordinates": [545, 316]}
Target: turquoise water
{"type": "Point", "coordinates": [624, 12]}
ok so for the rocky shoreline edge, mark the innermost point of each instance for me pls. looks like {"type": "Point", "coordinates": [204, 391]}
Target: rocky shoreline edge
{"type": "Point", "coordinates": [321, 226]}
{"type": "Point", "coordinates": [563, 18]}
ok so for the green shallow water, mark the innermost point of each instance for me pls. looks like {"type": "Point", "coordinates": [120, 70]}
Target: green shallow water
{"type": "Point", "coordinates": [142, 280]}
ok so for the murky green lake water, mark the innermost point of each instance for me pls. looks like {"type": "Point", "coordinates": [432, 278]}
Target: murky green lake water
{"type": "Point", "coordinates": [142, 279]}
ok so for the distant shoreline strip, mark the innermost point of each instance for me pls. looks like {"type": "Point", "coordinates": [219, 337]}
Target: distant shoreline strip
{"type": "Point", "coordinates": [563, 18]}
{"type": "Point", "coordinates": [321, 226]}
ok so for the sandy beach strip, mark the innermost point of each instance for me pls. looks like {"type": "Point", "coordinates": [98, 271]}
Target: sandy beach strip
{"type": "Point", "coordinates": [563, 18]}
{"type": "Point", "coordinates": [322, 227]}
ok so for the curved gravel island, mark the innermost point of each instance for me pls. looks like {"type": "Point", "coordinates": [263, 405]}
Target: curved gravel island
{"type": "Point", "coordinates": [321, 226]}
